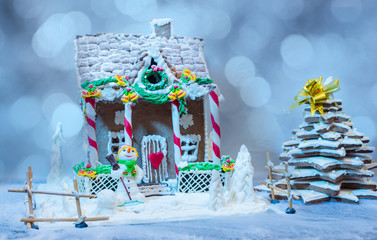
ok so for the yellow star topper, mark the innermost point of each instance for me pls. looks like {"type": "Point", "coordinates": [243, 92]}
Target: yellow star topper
{"type": "Point", "coordinates": [316, 93]}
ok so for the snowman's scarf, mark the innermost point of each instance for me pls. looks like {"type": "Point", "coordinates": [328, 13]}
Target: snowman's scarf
{"type": "Point", "coordinates": [128, 163]}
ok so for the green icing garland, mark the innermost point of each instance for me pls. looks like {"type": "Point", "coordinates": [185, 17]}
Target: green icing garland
{"type": "Point", "coordinates": [188, 78]}
{"type": "Point", "coordinates": [156, 98]}
{"type": "Point", "coordinates": [204, 166]}
{"type": "Point", "coordinates": [201, 81]}
{"type": "Point", "coordinates": [99, 82]}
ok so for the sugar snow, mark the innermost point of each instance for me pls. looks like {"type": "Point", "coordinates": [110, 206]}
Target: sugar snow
{"type": "Point", "coordinates": [106, 199]}
{"type": "Point", "coordinates": [330, 220]}
{"type": "Point", "coordinates": [161, 21]}
{"type": "Point", "coordinates": [182, 206]}
{"type": "Point", "coordinates": [241, 199]}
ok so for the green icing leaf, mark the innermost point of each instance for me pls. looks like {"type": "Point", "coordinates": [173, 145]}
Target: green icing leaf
{"type": "Point", "coordinates": [106, 169]}
{"type": "Point", "coordinates": [182, 106]}
{"type": "Point", "coordinates": [78, 166]}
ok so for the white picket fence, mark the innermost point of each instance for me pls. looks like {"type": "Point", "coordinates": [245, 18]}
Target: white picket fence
{"type": "Point", "coordinates": [188, 182]}
{"type": "Point", "coordinates": [88, 185]}
{"type": "Point", "coordinates": [196, 181]}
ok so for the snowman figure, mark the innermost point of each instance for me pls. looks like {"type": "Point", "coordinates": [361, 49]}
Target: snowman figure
{"type": "Point", "coordinates": [127, 156]}
{"type": "Point", "coordinates": [131, 172]}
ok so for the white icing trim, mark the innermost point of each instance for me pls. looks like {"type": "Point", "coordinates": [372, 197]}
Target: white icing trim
{"type": "Point", "coordinates": [325, 162]}
{"type": "Point", "coordinates": [351, 142]}
{"type": "Point", "coordinates": [325, 185]}
{"type": "Point", "coordinates": [331, 136]}
{"type": "Point", "coordinates": [333, 152]}
{"type": "Point", "coordinates": [364, 192]}
{"type": "Point", "coordinates": [327, 115]}
{"type": "Point", "coordinates": [298, 173]}
{"type": "Point", "coordinates": [110, 94]}
{"type": "Point", "coordinates": [317, 143]}
{"type": "Point", "coordinates": [195, 90]}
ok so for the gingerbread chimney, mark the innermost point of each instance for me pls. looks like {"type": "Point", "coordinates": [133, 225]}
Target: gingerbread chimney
{"type": "Point", "coordinates": [162, 27]}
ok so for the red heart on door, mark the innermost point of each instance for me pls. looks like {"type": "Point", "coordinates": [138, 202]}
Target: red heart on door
{"type": "Point", "coordinates": [156, 159]}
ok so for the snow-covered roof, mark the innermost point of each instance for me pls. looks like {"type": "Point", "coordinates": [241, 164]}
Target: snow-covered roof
{"type": "Point", "coordinates": [104, 55]}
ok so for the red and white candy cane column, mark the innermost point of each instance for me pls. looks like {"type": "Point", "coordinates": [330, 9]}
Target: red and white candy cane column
{"type": "Point", "coordinates": [90, 114]}
{"type": "Point", "coordinates": [176, 133]}
{"type": "Point", "coordinates": [128, 123]}
{"type": "Point", "coordinates": [216, 133]}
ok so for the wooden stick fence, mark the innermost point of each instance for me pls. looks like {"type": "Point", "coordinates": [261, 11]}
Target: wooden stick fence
{"type": "Point", "coordinates": [80, 220]}
{"type": "Point", "coordinates": [286, 173]}
{"type": "Point", "coordinates": [270, 178]}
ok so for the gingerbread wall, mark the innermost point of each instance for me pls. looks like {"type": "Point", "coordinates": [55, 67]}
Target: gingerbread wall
{"type": "Point", "coordinates": [196, 108]}
{"type": "Point", "coordinates": [105, 122]}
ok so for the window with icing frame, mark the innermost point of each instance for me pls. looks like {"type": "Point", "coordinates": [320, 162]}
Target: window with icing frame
{"type": "Point", "coordinates": [116, 140]}
{"type": "Point", "coordinates": [190, 147]}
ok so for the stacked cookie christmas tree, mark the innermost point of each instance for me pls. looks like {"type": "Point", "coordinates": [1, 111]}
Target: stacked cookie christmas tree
{"type": "Point", "coordinates": [328, 157]}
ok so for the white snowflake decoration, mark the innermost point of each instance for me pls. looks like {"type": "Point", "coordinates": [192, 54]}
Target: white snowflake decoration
{"type": "Point", "coordinates": [119, 117]}
{"type": "Point", "coordinates": [186, 121]}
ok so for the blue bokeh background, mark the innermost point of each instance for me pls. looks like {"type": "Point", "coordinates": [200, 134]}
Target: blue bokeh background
{"type": "Point", "coordinates": [259, 52]}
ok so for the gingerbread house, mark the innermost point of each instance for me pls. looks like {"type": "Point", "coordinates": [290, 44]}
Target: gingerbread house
{"type": "Point", "coordinates": [153, 92]}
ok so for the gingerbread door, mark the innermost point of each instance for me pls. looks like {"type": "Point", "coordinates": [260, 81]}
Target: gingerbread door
{"type": "Point", "coordinates": [154, 151]}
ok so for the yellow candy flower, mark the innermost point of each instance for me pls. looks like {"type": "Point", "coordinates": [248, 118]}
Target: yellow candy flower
{"type": "Point", "coordinates": [186, 72]}
{"type": "Point", "coordinates": [91, 173]}
{"type": "Point", "coordinates": [120, 80]}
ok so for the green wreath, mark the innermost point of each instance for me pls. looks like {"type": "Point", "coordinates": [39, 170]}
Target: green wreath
{"type": "Point", "coordinates": [156, 74]}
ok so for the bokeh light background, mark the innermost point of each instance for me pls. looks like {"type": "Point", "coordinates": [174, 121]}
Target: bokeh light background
{"type": "Point", "coordinates": [260, 53]}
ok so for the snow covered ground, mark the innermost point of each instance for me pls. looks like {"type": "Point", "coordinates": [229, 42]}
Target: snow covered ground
{"type": "Point", "coordinates": [330, 220]}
